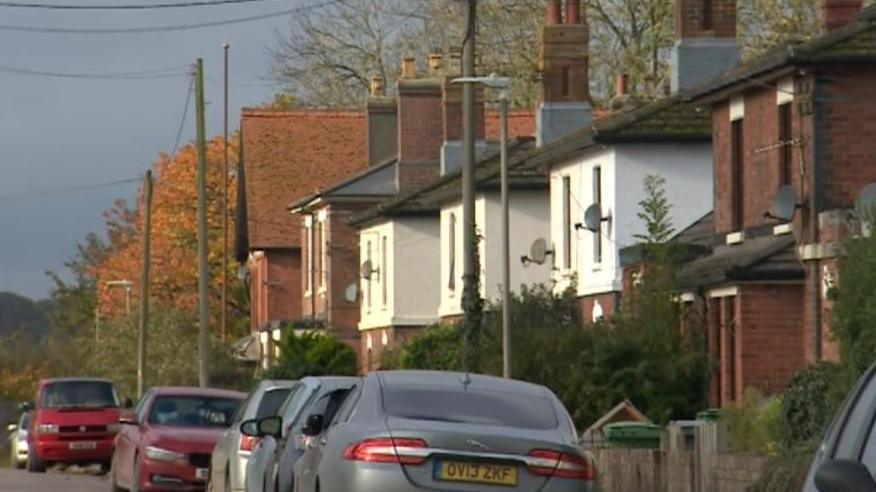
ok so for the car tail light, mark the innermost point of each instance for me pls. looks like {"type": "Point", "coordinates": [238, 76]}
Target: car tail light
{"type": "Point", "coordinates": [248, 443]}
{"type": "Point", "coordinates": [561, 465]}
{"type": "Point", "coordinates": [403, 451]}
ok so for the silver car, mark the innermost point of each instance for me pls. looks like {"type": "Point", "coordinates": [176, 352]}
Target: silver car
{"type": "Point", "coordinates": [18, 441]}
{"type": "Point", "coordinates": [269, 468]}
{"type": "Point", "coordinates": [228, 462]}
{"type": "Point", "coordinates": [410, 431]}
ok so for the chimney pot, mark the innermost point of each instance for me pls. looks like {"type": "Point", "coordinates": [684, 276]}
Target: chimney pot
{"type": "Point", "coordinates": [409, 68]}
{"type": "Point", "coordinates": [554, 12]}
{"type": "Point", "coordinates": [837, 13]}
{"type": "Point", "coordinates": [621, 84]}
{"type": "Point", "coordinates": [573, 11]}
{"type": "Point", "coordinates": [435, 64]}
{"type": "Point", "coordinates": [454, 63]}
{"type": "Point", "coordinates": [377, 87]}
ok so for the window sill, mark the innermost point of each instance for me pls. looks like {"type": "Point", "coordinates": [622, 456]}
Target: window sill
{"type": "Point", "coordinates": [782, 229]}
{"type": "Point", "coordinates": [308, 293]}
{"type": "Point", "coordinates": [735, 237]}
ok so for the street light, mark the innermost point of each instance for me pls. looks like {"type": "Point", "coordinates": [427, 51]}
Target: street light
{"type": "Point", "coordinates": [127, 285]}
{"type": "Point", "coordinates": [502, 84]}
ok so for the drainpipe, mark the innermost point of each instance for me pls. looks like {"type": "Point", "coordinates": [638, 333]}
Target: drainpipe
{"type": "Point", "coordinates": [312, 270]}
{"type": "Point", "coordinates": [707, 362]}
{"type": "Point", "coordinates": [815, 206]}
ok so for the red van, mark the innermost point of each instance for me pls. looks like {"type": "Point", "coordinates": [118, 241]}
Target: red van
{"type": "Point", "coordinates": [73, 421]}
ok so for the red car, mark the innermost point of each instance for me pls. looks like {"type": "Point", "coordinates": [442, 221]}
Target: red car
{"type": "Point", "coordinates": [165, 444]}
{"type": "Point", "coordinates": [73, 421]}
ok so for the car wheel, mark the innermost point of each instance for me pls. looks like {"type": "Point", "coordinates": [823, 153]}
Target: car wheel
{"type": "Point", "coordinates": [114, 486]}
{"type": "Point", "coordinates": [34, 463]}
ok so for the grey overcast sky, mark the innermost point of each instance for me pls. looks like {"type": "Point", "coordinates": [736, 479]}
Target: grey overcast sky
{"type": "Point", "coordinates": [60, 132]}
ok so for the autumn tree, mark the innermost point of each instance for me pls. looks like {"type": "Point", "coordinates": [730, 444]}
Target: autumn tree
{"type": "Point", "coordinates": [174, 238]}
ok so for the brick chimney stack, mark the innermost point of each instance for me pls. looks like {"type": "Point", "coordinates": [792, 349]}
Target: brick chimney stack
{"type": "Point", "coordinates": [837, 13]}
{"type": "Point", "coordinates": [565, 79]}
{"type": "Point", "coordinates": [382, 122]}
{"type": "Point", "coordinates": [451, 104]}
{"type": "Point", "coordinates": [705, 41]}
{"type": "Point", "coordinates": [419, 127]}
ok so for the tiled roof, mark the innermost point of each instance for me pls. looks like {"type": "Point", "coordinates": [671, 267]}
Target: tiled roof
{"type": "Point", "coordinates": [856, 41]}
{"type": "Point", "coordinates": [762, 258]}
{"type": "Point", "coordinates": [666, 120]}
{"type": "Point", "coordinates": [291, 154]}
{"type": "Point", "coordinates": [342, 188]}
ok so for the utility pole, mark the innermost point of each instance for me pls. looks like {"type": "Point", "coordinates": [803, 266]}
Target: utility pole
{"type": "Point", "coordinates": [203, 314]}
{"type": "Point", "coordinates": [469, 238]}
{"type": "Point", "coordinates": [224, 329]}
{"type": "Point", "coordinates": [506, 242]}
{"type": "Point", "coordinates": [144, 286]}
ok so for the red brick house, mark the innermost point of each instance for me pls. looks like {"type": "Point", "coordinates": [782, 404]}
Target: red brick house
{"type": "Point", "coordinates": [789, 120]}
{"type": "Point", "coordinates": [288, 154]}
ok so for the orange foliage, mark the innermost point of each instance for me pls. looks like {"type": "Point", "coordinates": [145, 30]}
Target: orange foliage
{"type": "Point", "coordinates": [174, 274]}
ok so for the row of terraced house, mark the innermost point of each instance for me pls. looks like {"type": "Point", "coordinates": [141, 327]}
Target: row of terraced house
{"type": "Point", "coordinates": [351, 221]}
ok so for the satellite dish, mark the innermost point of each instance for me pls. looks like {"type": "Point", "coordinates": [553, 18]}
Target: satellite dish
{"type": "Point", "coordinates": [538, 252]}
{"type": "Point", "coordinates": [785, 203]}
{"type": "Point", "coordinates": [866, 199]}
{"type": "Point", "coordinates": [593, 218]}
{"type": "Point", "coordinates": [351, 293]}
{"type": "Point", "coordinates": [367, 269]}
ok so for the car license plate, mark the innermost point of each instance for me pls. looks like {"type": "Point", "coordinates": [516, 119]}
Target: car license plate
{"type": "Point", "coordinates": [201, 473]}
{"type": "Point", "coordinates": [486, 473]}
{"type": "Point", "coordinates": [83, 445]}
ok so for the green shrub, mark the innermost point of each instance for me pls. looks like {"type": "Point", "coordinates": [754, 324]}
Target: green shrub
{"type": "Point", "coordinates": [756, 425]}
{"type": "Point", "coordinates": [787, 471]}
{"type": "Point", "coordinates": [312, 354]}
{"type": "Point", "coordinates": [810, 401]}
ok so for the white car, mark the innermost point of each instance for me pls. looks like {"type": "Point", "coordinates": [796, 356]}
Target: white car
{"type": "Point", "coordinates": [228, 461]}
{"type": "Point", "coordinates": [18, 441]}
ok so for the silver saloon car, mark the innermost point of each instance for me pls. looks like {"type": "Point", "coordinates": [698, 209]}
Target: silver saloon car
{"type": "Point", "coordinates": [410, 431]}
{"type": "Point", "coordinates": [228, 462]}
{"type": "Point", "coordinates": [18, 441]}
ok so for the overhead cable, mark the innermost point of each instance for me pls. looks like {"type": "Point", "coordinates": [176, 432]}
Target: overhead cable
{"type": "Point", "coordinates": [154, 6]}
{"type": "Point", "coordinates": [158, 73]}
{"type": "Point", "coordinates": [177, 27]}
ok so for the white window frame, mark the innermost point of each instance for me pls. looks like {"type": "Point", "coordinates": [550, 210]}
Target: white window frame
{"type": "Point", "coordinates": [308, 258]}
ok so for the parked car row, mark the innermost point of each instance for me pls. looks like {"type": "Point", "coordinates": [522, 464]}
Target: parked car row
{"type": "Point", "coordinates": [413, 430]}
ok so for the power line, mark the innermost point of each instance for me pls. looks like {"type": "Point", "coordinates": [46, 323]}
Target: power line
{"type": "Point", "coordinates": [60, 191]}
{"type": "Point", "coordinates": [158, 73]}
{"type": "Point", "coordinates": [52, 6]}
{"type": "Point", "coordinates": [178, 27]}
{"type": "Point", "coordinates": [184, 115]}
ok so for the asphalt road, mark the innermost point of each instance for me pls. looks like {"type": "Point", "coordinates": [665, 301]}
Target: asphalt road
{"type": "Point", "coordinates": [53, 481]}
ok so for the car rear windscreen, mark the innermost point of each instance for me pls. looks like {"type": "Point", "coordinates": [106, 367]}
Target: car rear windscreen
{"type": "Point", "coordinates": [79, 394]}
{"type": "Point", "coordinates": [470, 406]}
{"type": "Point", "coordinates": [271, 401]}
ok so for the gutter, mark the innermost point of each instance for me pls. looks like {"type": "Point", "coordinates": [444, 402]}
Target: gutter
{"type": "Point", "coordinates": [815, 206]}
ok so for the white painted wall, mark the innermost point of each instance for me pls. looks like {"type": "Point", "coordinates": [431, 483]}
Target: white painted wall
{"type": "Point", "coordinates": [687, 169]}
{"type": "Point", "coordinates": [410, 273]}
{"type": "Point", "coordinates": [529, 213]}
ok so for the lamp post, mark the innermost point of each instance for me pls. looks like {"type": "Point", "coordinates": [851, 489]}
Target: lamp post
{"type": "Point", "coordinates": [502, 84]}
{"type": "Point", "coordinates": [127, 285]}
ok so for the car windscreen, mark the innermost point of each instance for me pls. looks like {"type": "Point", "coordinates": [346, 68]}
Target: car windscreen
{"type": "Point", "coordinates": [79, 394]}
{"type": "Point", "coordinates": [447, 404]}
{"type": "Point", "coordinates": [193, 411]}
{"type": "Point", "coordinates": [271, 401]}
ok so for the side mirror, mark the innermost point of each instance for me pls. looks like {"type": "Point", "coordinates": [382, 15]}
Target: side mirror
{"type": "Point", "coordinates": [313, 425]}
{"type": "Point", "coordinates": [250, 428]}
{"type": "Point", "coordinates": [271, 426]}
{"type": "Point", "coordinates": [844, 476]}
{"type": "Point", "coordinates": [26, 406]}
{"type": "Point", "coordinates": [128, 403]}
{"type": "Point", "coordinates": [11, 428]}
{"type": "Point", "coordinates": [128, 418]}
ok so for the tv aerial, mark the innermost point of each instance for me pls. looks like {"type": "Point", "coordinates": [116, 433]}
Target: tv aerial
{"type": "Point", "coordinates": [351, 293]}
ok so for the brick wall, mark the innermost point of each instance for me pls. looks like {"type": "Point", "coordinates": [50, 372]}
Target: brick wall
{"type": "Point", "coordinates": [772, 336]}
{"type": "Point", "coordinates": [275, 287]}
{"type": "Point", "coordinates": [419, 120]}
{"type": "Point", "coordinates": [451, 99]}
{"type": "Point", "coordinates": [761, 169]}
{"type": "Point", "coordinates": [565, 63]}
{"type": "Point", "coordinates": [607, 301]}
